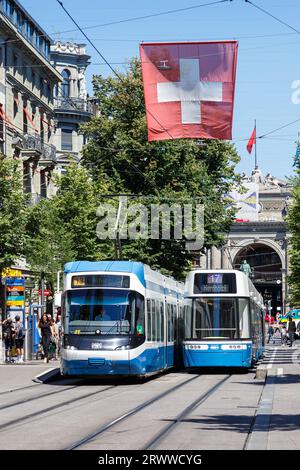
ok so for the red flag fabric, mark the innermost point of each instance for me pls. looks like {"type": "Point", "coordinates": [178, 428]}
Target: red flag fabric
{"type": "Point", "coordinates": [251, 141]}
{"type": "Point", "coordinates": [189, 89]}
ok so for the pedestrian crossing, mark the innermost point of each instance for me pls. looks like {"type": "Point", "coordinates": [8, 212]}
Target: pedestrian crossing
{"type": "Point", "coordinates": [281, 354]}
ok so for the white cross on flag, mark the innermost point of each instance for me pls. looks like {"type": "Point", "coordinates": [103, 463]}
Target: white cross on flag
{"type": "Point", "coordinates": [189, 89]}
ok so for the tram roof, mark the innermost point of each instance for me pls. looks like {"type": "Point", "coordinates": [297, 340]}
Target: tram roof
{"type": "Point", "coordinates": [133, 267]}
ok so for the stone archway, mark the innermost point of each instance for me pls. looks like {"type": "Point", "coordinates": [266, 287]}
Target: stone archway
{"type": "Point", "coordinates": [268, 263]}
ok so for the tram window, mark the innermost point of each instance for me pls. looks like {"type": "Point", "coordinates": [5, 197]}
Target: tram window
{"type": "Point", "coordinates": [162, 323]}
{"type": "Point", "coordinates": [215, 318]}
{"type": "Point", "coordinates": [157, 312]}
{"type": "Point", "coordinates": [149, 327]}
{"type": "Point", "coordinates": [244, 318]}
{"type": "Point", "coordinates": [169, 322]}
{"type": "Point", "coordinates": [174, 321]}
{"type": "Point", "coordinates": [187, 321]}
{"type": "Point", "coordinates": [153, 334]}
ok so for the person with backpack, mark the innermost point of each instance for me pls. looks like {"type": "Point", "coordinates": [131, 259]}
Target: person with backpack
{"type": "Point", "coordinates": [8, 335]}
{"type": "Point", "coordinates": [19, 338]}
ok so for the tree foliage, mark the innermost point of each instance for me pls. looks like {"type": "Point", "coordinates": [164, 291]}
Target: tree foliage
{"type": "Point", "coordinates": [63, 228]}
{"type": "Point", "coordinates": [293, 219]}
{"type": "Point", "coordinates": [13, 213]}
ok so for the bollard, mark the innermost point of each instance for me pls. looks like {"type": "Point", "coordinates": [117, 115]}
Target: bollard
{"type": "Point", "coordinates": [261, 373]}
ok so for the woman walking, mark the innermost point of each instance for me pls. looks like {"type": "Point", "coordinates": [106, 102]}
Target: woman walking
{"type": "Point", "coordinates": [46, 332]}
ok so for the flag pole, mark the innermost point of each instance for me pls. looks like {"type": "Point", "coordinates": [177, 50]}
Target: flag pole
{"type": "Point", "coordinates": [256, 166]}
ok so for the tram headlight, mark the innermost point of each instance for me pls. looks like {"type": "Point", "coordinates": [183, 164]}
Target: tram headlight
{"type": "Point", "coordinates": [122, 348]}
{"type": "Point", "coordinates": [72, 348]}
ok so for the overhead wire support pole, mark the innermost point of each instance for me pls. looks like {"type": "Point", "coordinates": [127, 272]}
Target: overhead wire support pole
{"type": "Point", "coordinates": [255, 143]}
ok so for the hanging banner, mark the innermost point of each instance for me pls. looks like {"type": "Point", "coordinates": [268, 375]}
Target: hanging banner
{"type": "Point", "coordinates": [247, 203]}
{"type": "Point", "coordinates": [189, 89]}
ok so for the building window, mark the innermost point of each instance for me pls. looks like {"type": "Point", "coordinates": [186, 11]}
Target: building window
{"type": "Point", "coordinates": [41, 86]}
{"type": "Point", "coordinates": [65, 86]}
{"type": "Point", "coordinates": [42, 130]}
{"type": "Point", "coordinates": [26, 178]}
{"type": "Point", "coordinates": [16, 104]}
{"type": "Point", "coordinates": [15, 63]}
{"type": "Point", "coordinates": [66, 139]}
{"type": "Point", "coordinates": [43, 184]}
{"type": "Point", "coordinates": [33, 79]}
{"type": "Point", "coordinates": [25, 120]}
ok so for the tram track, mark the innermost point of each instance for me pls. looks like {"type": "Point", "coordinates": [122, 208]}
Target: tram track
{"type": "Point", "coordinates": [162, 435]}
{"type": "Point", "coordinates": [19, 420]}
{"type": "Point", "coordinates": [36, 397]}
{"type": "Point", "coordinates": [6, 392]}
{"type": "Point", "coordinates": [129, 414]}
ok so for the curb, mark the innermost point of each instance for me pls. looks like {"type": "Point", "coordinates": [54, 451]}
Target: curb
{"type": "Point", "coordinates": [258, 438]}
{"type": "Point", "coordinates": [46, 376]}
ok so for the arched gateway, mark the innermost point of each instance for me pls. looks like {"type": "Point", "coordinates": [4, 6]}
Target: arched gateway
{"type": "Point", "coordinates": [266, 262]}
{"type": "Point", "coordinates": [260, 237]}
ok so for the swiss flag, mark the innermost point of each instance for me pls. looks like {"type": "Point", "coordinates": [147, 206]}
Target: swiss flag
{"type": "Point", "coordinates": [189, 89]}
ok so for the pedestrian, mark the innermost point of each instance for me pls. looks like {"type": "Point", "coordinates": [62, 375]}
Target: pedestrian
{"type": "Point", "coordinates": [283, 334]}
{"type": "Point", "coordinates": [19, 338]}
{"type": "Point", "coordinates": [45, 327]}
{"type": "Point", "coordinates": [291, 331]}
{"type": "Point", "coordinates": [270, 333]}
{"type": "Point", "coordinates": [54, 337]}
{"type": "Point", "coordinates": [8, 335]}
{"type": "Point", "coordinates": [59, 326]}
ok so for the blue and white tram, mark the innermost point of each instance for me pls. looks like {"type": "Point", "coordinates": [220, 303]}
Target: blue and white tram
{"type": "Point", "coordinates": [224, 320]}
{"type": "Point", "coordinates": [119, 318]}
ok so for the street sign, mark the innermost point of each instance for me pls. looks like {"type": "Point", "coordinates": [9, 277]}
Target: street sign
{"type": "Point", "coordinates": [47, 292]}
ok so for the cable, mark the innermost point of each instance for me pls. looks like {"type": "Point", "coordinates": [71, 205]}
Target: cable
{"type": "Point", "coordinates": [135, 18]}
{"type": "Point", "coordinates": [278, 128]}
{"type": "Point", "coordinates": [272, 16]}
{"type": "Point", "coordinates": [109, 65]}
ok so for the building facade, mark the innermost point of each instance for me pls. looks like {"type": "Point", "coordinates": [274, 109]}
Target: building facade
{"type": "Point", "coordinates": [27, 81]}
{"type": "Point", "coordinates": [72, 105]}
{"type": "Point", "coordinates": [262, 242]}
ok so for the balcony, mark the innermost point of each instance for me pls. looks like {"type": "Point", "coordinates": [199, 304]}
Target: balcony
{"type": "Point", "coordinates": [73, 104]}
{"type": "Point", "coordinates": [34, 143]}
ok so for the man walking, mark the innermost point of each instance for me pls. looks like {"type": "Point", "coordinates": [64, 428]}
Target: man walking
{"type": "Point", "coordinates": [291, 331]}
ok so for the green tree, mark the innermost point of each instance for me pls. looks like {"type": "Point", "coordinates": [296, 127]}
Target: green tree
{"type": "Point", "coordinates": [293, 218]}
{"type": "Point", "coordinates": [163, 171]}
{"type": "Point", "coordinates": [13, 213]}
{"type": "Point", "coordinates": [63, 228]}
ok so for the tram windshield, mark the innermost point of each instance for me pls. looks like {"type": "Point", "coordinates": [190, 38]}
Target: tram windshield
{"type": "Point", "coordinates": [107, 311]}
{"type": "Point", "coordinates": [220, 318]}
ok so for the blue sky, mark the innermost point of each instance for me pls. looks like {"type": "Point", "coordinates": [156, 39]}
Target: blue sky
{"type": "Point", "coordinates": [268, 60]}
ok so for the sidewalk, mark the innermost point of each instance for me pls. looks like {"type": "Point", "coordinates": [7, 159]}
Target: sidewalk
{"type": "Point", "coordinates": [277, 423]}
{"type": "Point", "coordinates": [39, 363]}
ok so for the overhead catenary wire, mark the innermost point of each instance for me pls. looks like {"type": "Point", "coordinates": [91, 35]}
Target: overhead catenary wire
{"type": "Point", "coordinates": [272, 16]}
{"type": "Point", "coordinates": [136, 18]}
{"type": "Point", "coordinates": [105, 60]}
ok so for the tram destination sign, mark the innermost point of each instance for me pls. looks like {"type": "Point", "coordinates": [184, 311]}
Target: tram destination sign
{"type": "Point", "coordinates": [215, 283]}
{"type": "Point", "coordinates": [101, 280]}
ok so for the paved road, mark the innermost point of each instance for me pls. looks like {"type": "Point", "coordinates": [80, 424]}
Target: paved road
{"type": "Point", "coordinates": [222, 409]}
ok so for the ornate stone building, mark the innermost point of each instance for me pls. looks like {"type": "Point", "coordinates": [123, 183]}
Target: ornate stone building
{"type": "Point", "coordinates": [27, 80]}
{"type": "Point", "coordinates": [262, 242]}
{"type": "Point", "coordinates": [72, 105]}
